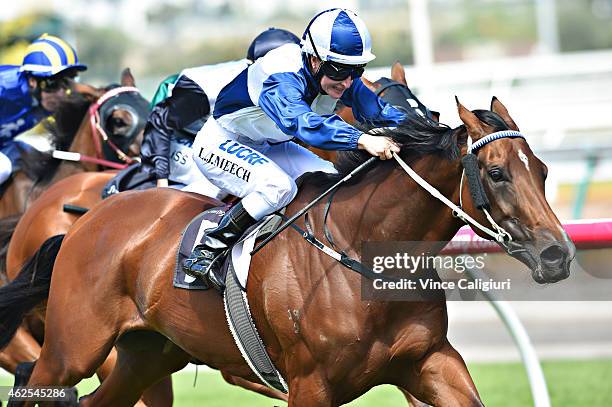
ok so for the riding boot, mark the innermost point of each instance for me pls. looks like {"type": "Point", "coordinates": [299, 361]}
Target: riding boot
{"type": "Point", "coordinates": [206, 256]}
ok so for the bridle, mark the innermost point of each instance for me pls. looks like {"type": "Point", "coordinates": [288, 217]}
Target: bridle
{"type": "Point", "coordinates": [471, 172]}
{"type": "Point", "coordinates": [98, 133]}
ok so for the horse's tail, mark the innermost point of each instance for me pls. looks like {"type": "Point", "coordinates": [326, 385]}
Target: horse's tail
{"type": "Point", "coordinates": [7, 227]}
{"type": "Point", "coordinates": [28, 289]}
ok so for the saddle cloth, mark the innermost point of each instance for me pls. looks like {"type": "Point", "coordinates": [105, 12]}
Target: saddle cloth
{"type": "Point", "coordinates": [240, 257]}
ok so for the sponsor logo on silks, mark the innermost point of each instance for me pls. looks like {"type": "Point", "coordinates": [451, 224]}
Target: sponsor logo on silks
{"type": "Point", "coordinates": [242, 152]}
{"type": "Point", "coordinates": [225, 165]}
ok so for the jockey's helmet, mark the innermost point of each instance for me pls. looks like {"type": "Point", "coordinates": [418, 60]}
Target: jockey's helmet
{"type": "Point", "coordinates": [49, 55]}
{"type": "Point", "coordinates": [268, 40]}
{"type": "Point", "coordinates": [338, 36]}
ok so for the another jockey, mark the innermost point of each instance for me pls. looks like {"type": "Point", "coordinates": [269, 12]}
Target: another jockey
{"type": "Point", "coordinates": [246, 147]}
{"type": "Point", "coordinates": [184, 102]}
{"type": "Point", "coordinates": [32, 91]}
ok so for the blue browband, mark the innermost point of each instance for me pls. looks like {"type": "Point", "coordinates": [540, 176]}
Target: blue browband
{"type": "Point", "coordinates": [492, 137]}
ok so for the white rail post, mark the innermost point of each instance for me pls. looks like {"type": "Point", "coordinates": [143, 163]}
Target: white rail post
{"type": "Point", "coordinates": [537, 382]}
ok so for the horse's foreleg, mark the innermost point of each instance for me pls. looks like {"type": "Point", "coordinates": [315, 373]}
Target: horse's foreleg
{"type": "Point", "coordinates": [310, 391]}
{"type": "Point", "coordinates": [412, 401]}
{"type": "Point", "coordinates": [442, 379]}
{"type": "Point", "coordinates": [159, 394]}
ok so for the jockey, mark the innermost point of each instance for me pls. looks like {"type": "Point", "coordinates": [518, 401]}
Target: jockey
{"type": "Point", "coordinates": [268, 40]}
{"type": "Point", "coordinates": [184, 102]}
{"type": "Point", "coordinates": [32, 91]}
{"type": "Point", "coordinates": [245, 148]}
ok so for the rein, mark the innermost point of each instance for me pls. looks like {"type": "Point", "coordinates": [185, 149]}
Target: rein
{"type": "Point", "coordinates": [70, 156]}
{"type": "Point", "coordinates": [94, 121]}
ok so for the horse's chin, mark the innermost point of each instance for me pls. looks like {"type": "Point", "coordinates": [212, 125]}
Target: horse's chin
{"type": "Point", "coordinates": [548, 266]}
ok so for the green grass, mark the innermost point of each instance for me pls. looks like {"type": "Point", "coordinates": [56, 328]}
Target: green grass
{"type": "Point", "coordinates": [571, 383]}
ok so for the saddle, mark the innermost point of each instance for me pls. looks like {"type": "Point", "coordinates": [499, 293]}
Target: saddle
{"type": "Point", "coordinates": [236, 259]}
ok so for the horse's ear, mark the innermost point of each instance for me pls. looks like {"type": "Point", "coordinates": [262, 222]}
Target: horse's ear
{"type": "Point", "coordinates": [499, 108]}
{"type": "Point", "coordinates": [369, 85]}
{"type": "Point", "coordinates": [435, 115]}
{"type": "Point", "coordinates": [398, 74]}
{"type": "Point", "coordinates": [472, 124]}
{"type": "Point", "coordinates": [88, 91]}
{"type": "Point", "coordinates": [127, 79]}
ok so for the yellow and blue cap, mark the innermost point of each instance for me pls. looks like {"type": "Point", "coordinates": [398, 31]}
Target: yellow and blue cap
{"type": "Point", "coordinates": [49, 55]}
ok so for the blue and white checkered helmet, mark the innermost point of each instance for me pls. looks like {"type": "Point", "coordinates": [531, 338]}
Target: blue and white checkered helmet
{"type": "Point", "coordinates": [339, 35]}
{"type": "Point", "coordinates": [48, 56]}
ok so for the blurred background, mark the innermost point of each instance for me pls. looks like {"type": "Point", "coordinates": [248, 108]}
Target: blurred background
{"type": "Point", "coordinates": [548, 61]}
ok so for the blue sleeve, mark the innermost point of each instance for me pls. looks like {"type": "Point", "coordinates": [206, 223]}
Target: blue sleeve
{"type": "Point", "coordinates": [369, 108]}
{"type": "Point", "coordinates": [282, 99]}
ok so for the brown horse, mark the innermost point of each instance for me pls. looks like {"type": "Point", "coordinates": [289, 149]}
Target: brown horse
{"type": "Point", "coordinates": [115, 280]}
{"type": "Point", "coordinates": [70, 130]}
{"type": "Point", "coordinates": [28, 183]}
{"type": "Point", "coordinates": [46, 218]}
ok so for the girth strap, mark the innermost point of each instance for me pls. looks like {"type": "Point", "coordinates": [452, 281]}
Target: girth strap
{"type": "Point", "coordinates": [342, 257]}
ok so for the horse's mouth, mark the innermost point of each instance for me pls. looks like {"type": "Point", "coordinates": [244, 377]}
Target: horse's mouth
{"type": "Point", "coordinates": [547, 266]}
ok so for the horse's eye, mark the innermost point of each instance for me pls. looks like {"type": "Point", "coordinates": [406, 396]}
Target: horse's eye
{"type": "Point", "coordinates": [496, 174]}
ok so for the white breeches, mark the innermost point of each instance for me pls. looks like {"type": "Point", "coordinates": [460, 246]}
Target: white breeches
{"type": "Point", "coordinates": [262, 174]}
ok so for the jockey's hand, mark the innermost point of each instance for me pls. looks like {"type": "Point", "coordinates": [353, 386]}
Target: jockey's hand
{"type": "Point", "coordinates": [162, 182]}
{"type": "Point", "coordinates": [378, 146]}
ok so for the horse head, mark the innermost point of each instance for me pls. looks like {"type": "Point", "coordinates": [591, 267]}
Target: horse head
{"type": "Point", "coordinates": [396, 92]}
{"type": "Point", "coordinates": [123, 117]}
{"type": "Point", "coordinates": [513, 179]}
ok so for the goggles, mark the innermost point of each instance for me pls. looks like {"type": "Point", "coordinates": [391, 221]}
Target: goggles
{"type": "Point", "coordinates": [339, 72]}
{"type": "Point", "coordinates": [54, 84]}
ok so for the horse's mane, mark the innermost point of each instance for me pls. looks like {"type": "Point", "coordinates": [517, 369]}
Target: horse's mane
{"type": "Point", "coordinates": [68, 118]}
{"type": "Point", "coordinates": [62, 128]}
{"type": "Point", "coordinates": [416, 136]}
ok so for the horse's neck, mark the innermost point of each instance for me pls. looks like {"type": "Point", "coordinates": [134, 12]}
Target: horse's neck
{"type": "Point", "coordinates": [66, 169]}
{"type": "Point", "coordinates": [394, 208]}
{"type": "Point", "coordinates": [389, 206]}
{"type": "Point", "coordinates": [83, 143]}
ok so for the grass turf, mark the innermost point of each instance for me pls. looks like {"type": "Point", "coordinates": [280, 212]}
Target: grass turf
{"type": "Point", "coordinates": [570, 383]}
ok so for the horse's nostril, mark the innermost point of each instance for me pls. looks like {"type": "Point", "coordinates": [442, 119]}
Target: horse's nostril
{"type": "Point", "coordinates": [553, 254]}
